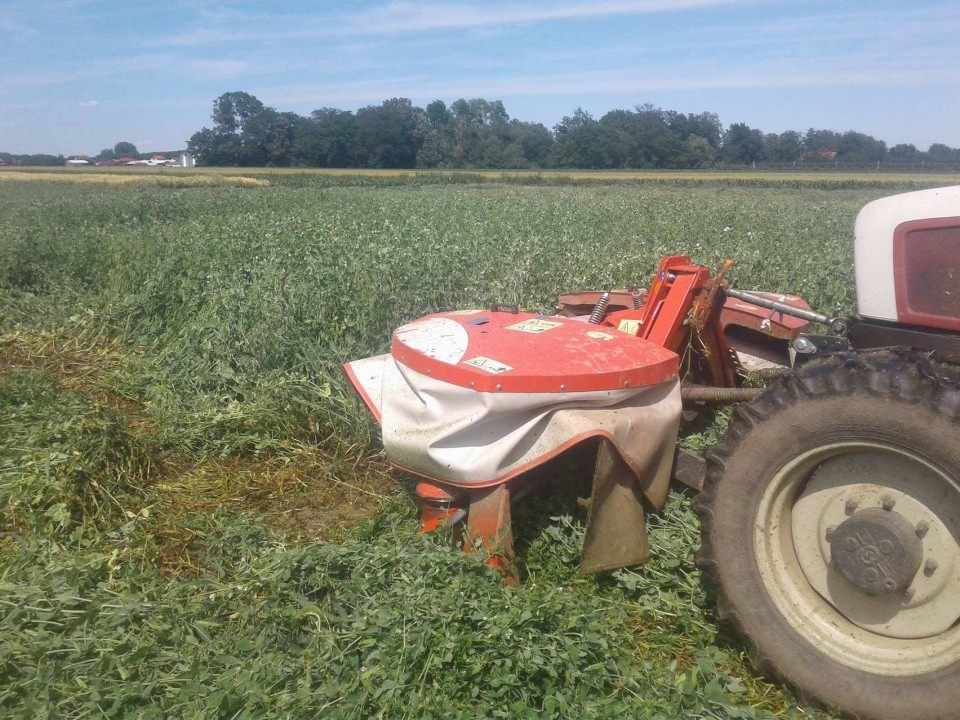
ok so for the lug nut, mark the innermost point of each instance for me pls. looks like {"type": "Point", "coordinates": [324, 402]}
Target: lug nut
{"type": "Point", "coordinates": [888, 502]}
{"type": "Point", "coordinates": [909, 592]}
{"type": "Point", "coordinates": [830, 531]}
{"type": "Point", "coordinates": [930, 566]}
{"type": "Point", "coordinates": [850, 505]}
{"type": "Point", "coordinates": [922, 528]}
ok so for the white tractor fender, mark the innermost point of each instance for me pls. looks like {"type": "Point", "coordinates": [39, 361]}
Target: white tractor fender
{"type": "Point", "coordinates": [874, 244]}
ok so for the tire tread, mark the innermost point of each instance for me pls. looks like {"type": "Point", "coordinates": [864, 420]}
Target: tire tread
{"type": "Point", "coordinates": [905, 376]}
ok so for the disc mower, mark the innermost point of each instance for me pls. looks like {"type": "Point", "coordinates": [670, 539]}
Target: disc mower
{"type": "Point", "coordinates": [830, 511]}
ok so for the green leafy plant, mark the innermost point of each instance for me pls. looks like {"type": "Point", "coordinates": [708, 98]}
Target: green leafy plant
{"type": "Point", "coordinates": [179, 447]}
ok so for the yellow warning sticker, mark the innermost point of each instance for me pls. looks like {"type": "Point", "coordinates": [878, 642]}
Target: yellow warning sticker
{"type": "Point", "coordinates": [598, 335]}
{"type": "Point", "coordinates": [631, 327]}
{"type": "Point", "coordinates": [462, 312]}
{"type": "Point", "coordinates": [534, 325]}
{"type": "Point", "coordinates": [487, 365]}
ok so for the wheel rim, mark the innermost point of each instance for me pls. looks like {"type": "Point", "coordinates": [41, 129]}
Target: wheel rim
{"type": "Point", "coordinates": [909, 632]}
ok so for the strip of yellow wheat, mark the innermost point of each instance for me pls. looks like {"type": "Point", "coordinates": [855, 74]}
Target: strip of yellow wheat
{"type": "Point", "coordinates": [180, 181]}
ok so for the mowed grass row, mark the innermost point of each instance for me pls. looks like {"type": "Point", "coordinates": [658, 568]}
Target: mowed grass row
{"type": "Point", "coordinates": [128, 178]}
{"type": "Point", "coordinates": [801, 178]}
{"type": "Point", "coordinates": [174, 416]}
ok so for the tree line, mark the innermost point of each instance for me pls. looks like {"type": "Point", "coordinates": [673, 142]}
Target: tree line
{"type": "Point", "coordinates": [478, 133]}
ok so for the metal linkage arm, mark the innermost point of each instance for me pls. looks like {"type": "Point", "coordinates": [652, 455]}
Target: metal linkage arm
{"type": "Point", "coordinates": [779, 306]}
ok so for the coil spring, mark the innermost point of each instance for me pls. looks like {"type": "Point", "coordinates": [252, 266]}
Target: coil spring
{"type": "Point", "coordinates": [600, 309]}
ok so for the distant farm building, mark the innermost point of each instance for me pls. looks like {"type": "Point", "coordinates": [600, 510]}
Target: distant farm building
{"type": "Point", "coordinates": [182, 160]}
{"type": "Point", "coordinates": [77, 161]}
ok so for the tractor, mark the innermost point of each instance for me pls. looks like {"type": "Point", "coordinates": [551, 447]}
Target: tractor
{"type": "Point", "coordinates": [830, 511]}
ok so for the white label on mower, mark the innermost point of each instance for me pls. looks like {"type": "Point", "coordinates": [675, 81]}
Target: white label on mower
{"type": "Point", "coordinates": [439, 338]}
{"type": "Point", "coordinates": [534, 325]}
{"type": "Point", "coordinates": [631, 327]}
{"type": "Point", "coordinates": [487, 365]}
{"type": "Point", "coordinates": [598, 335]}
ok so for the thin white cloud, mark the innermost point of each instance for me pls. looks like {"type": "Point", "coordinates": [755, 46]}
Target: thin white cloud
{"type": "Point", "coordinates": [223, 14]}
{"type": "Point", "coordinates": [409, 17]}
{"type": "Point", "coordinates": [150, 63]}
{"type": "Point", "coordinates": [398, 17]}
{"type": "Point", "coordinates": [618, 82]}
{"type": "Point", "coordinates": [205, 37]}
{"type": "Point", "coordinates": [90, 103]}
{"type": "Point", "coordinates": [218, 69]}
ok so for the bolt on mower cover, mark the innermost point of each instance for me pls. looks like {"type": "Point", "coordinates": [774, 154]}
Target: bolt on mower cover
{"type": "Point", "coordinates": [474, 398]}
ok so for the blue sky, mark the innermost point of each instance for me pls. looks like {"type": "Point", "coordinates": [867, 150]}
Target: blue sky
{"type": "Point", "coordinates": [80, 75]}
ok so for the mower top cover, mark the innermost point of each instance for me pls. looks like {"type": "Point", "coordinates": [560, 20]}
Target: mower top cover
{"type": "Point", "coordinates": [474, 398]}
{"type": "Point", "coordinates": [522, 352]}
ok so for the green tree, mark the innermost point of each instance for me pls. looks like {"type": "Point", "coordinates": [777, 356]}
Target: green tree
{"type": "Point", "coordinates": [213, 148]}
{"type": "Point", "coordinates": [787, 147]}
{"type": "Point", "coordinates": [391, 134]}
{"type": "Point", "coordinates": [266, 138]}
{"type": "Point", "coordinates": [328, 138]}
{"type": "Point", "coordinates": [940, 153]}
{"type": "Point", "coordinates": [256, 132]}
{"type": "Point", "coordinates": [656, 144]}
{"type": "Point", "coordinates": [860, 149]}
{"type": "Point", "coordinates": [280, 149]}
{"type": "Point", "coordinates": [700, 153]}
{"type": "Point", "coordinates": [534, 142]}
{"type": "Point", "coordinates": [648, 138]}
{"type": "Point", "coordinates": [437, 148]}
{"type": "Point", "coordinates": [817, 141]}
{"type": "Point", "coordinates": [434, 152]}
{"type": "Point", "coordinates": [581, 142]}
{"type": "Point", "coordinates": [479, 130]}
{"type": "Point", "coordinates": [233, 109]}
{"type": "Point", "coordinates": [742, 144]}
{"type": "Point", "coordinates": [705, 125]}
{"type": "Point", "coordinates": [125, 149]}
{"type": "Point", "coordinates": [438, 115]}
{"type": "Point", "coordinates": [460, 109]}
{"type": "Point", "coordinates": [241, 135]}
{"type": "Point", "coordinates": [905, 153]}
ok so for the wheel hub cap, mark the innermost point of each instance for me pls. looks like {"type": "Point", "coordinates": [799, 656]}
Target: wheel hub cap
{"type": "Point", "coordinates": [877, 551]}
{"type": "Point", "coordinates": [856, 528]}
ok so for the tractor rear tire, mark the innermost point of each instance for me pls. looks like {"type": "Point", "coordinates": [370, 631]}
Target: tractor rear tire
{"type": "Point", "coordinates": [820, 457]}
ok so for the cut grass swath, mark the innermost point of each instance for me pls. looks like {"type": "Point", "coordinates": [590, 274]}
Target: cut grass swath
{"type": "Point", "coordinates": [180, 348]}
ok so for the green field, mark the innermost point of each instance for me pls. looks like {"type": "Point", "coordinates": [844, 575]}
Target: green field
{"type": "Point", "coordinates": [195, 516]}
{"type": "Point", "coordinates": [315, 177]}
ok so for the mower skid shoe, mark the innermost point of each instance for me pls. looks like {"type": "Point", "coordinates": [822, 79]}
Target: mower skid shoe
{"type": "Point", "coordinates": [616, 534]}
{"type": "Point", "coordinates": [489, 528]}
